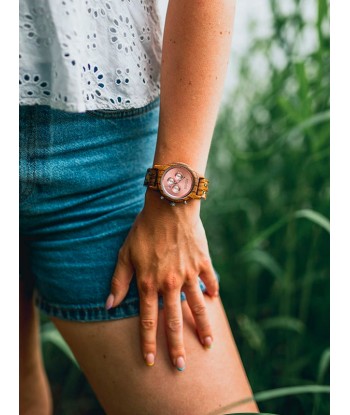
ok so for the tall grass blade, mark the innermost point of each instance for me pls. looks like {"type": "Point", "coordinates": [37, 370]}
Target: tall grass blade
{"type": "Point", "coordinates": [277, 393]}
{"type": "Point", "coordinates": [323, 366]}
{"type": "Point", "coordinates": [322, 369]}
{"type": "Point", "coordinates": [252, 332]}
{"type": "Point", "coordinates": [283, 323]}
{"type": "Point", "coordinates": [264, 259]}
{"type": "Point", "coordinates": [315, 217]}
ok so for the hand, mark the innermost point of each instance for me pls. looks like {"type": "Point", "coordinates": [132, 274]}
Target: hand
{"type": "Point", "coordinates": [168, 249]}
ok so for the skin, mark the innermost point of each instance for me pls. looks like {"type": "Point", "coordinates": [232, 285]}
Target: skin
{"type": "Point", "coordinates": [196, 46]}
{"type": "Point", "coordinates": [109, 355]}
{"type": "Point", "coordinates": [115, 355]}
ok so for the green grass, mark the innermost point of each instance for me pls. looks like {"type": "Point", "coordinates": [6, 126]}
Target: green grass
{"type": "Point", "coordinates": [267, 216]}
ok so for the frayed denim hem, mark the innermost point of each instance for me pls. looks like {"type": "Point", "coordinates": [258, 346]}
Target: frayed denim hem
{"type": "Point", "coordinates": [97, 312]}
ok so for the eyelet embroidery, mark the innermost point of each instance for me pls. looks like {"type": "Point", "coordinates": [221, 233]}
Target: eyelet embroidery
{"type": "Point", "coordinates": [146, 7]}
{"type": "Point", "coordinates": [89, 55]}
{"type": "Point", "coordinates": [97, 9]}
{"type": "Point", "coordinates": [70, 52]}
{"type": "Point", "coordinates": [32, 86]}
{"type": "Point", "coordinates": [146, 34]}
{"type": "Point", "coordinates": [94, 82]}
{"type": "Point", "coordinates": [68, 5]}
{"type": "Point", "coordinates": [37, 25]}
{"type": "Point", "coordinates": [121, 100]}
{"type": "Point", "coordinates": [146, 72]}
{"type": "Point", "coordinates": [123, 76]}
{"type": "Point", "coordinates": [91, 41]}
{"type": "Point", "coordinates": [122, 34]}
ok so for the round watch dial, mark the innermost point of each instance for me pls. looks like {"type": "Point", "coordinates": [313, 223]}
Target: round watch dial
{"type": "Point", "coordinates": [177, 182]}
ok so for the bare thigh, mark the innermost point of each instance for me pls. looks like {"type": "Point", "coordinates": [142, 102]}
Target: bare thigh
{"type": "Point", "coordinates": [109, 354]}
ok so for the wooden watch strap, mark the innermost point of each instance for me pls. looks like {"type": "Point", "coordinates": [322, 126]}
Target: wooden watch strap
{"type": "Point", "coordinates": [203, 187]}
{"type": "Point", "coordinates": [152, 180]}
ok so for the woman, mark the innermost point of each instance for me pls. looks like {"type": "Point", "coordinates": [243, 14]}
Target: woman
{"type": "Point", "coordinates": [125, 276]}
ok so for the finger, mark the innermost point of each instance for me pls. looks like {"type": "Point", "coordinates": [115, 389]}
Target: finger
{"type": "Point", "coordinates": [174, 327]}
{"type": "Point", "coordinates": [120, 281]}
{"type": "Point", "coordinates": [148, 319]}
{"type": "Point", "coordinates": [195, 300]}
{"type": "Point", "coordinates": [208, 276]}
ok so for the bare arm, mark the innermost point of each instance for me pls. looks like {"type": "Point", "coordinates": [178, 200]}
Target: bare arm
{"type": "Point", "coordinates": [167, 246]}
{"type": "Point", "coordinates": [196, 49]}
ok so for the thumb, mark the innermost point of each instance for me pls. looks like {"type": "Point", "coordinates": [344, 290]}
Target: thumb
{"type": "Point", "coordinates": [120, 282]}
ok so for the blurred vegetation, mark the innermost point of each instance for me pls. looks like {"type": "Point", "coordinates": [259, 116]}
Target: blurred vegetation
{"type": "Point", "coordinates": [266, 220]}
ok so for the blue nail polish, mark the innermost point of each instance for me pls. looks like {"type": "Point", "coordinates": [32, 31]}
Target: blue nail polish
{"type": "Point", "coordinates": [180, 363]}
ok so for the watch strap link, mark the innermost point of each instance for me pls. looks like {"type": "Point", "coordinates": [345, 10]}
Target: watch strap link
{"type": "Point", "coordinates": [202, 189]}
{"type": "Point", "coordinates": [151, 178]}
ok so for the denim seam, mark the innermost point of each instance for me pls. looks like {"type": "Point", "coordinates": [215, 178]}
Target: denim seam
{"type": "Point", "coordinates": [25, 186]}
{"type": "Point", "coordinates": [92, 313]}
{"type": "Point", "coordinates": [30, 159]}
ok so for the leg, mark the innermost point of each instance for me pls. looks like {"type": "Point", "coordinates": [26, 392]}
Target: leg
{"type": "Point", "coordinates": [109, 354]}
{"type": "Point", "coordinates": [35, 395]}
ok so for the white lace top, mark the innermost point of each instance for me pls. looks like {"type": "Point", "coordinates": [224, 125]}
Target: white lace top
{"type": "Point", "coordinates": [79, 55]}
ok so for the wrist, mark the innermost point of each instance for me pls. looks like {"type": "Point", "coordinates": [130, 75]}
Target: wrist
{"type": "Point", "coordinates": [157, 206]}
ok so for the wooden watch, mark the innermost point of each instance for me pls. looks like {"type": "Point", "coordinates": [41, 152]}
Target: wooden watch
{"type": "Point", "coordinates": [176, 182]}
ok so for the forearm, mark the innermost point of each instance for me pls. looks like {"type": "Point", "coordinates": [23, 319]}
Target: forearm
{"type": "Point", "coordinates": [196, 49]}
{"type": "Point", "coordinates": [195, 54]}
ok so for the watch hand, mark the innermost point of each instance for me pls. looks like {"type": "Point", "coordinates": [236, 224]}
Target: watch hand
{"type": "Point", "coordinates": [180, 180]}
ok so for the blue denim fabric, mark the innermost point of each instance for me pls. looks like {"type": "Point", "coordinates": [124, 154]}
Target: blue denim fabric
{"type": "Point", "coordinates": [81, 188]}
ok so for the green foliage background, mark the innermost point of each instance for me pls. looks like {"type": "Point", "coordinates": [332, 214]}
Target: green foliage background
{"type": "Point", "coordinates": [266, 220]}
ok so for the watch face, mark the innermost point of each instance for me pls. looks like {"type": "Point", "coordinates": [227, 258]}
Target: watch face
{"type": "Point", "coordinates": [177, 182]}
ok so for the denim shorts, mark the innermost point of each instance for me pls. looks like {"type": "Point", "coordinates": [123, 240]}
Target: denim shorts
{"type": "Point", "coordinates": [81, 188]}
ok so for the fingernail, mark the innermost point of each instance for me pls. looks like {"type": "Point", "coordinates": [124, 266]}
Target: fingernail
{"type": "Point", "coordinates": [150, 359]}
{"type": "Point", "coordinates": [180, 363]}
{"type": "Point", "coordinates": [216, 294]}
{"type": "Point", "coordinates": [110, 301]}
{"type": "Point", "coordinates": [207, 341]}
